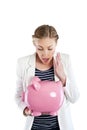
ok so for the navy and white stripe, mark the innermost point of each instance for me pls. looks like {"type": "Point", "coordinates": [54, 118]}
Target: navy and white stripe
{"type": "Point", "coordinates": [45, 122]}
{"type": "Point", "coordinates": [45, 75]}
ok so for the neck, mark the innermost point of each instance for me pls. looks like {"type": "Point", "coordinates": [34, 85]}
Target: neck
{"type": "Point", "coordinates": [41, 66]}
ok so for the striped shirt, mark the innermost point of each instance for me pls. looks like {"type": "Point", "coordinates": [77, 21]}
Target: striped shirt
{"type": "Point", "coordinates": [45, 122]}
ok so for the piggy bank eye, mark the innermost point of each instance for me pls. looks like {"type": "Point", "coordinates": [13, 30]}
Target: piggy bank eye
{"type": "Point", "coordinates": [53, 94]}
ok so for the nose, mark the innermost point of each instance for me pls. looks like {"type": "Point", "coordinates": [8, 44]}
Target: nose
{"type": "Point", "coordinates": [45, 52]}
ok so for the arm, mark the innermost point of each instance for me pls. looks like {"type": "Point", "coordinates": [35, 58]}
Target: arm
{"type": "Point", "coordinates": [19, 85]}
{"type": "Point", "coordinates": [63, 70]}
{"type": "Point", "coordinates": [19, 89]}
{"type": "Point", "coordinates": [70, 89]}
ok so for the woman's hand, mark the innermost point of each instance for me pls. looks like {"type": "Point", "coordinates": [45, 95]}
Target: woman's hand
{"type": "Point", "coordinates": [59, 70]}
{"type": "Point", "coordinates": [27, 112]}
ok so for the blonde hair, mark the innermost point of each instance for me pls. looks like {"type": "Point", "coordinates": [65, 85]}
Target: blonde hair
{"type": "Point", "coordinates": [44, 31]}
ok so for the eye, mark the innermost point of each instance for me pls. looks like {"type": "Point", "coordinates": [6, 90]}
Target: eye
{"type": "Point", "coordinates": [40, 49]}
{"type": "Point", "coordinates": [50, 49]}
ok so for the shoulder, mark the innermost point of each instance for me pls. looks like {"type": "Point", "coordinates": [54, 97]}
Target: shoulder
{"type": "Point", "coordinates": [24, 59]}
{"type": "Point", "coordinates": [65, 56]}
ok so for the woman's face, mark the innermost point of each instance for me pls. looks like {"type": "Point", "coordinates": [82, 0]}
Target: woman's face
{"type": "Point", "coordinates": [45, 49]}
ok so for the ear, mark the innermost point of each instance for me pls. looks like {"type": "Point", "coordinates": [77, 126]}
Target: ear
{"type": "Point", "coordinates": [35, 78]}
{"type": "Point", "coordinates": [35, 82]}
{"type": "Point", "coordinates": [36, 85]}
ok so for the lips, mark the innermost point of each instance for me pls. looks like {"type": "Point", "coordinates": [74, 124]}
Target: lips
{"type": "Point", "coordinates": [45, 59]}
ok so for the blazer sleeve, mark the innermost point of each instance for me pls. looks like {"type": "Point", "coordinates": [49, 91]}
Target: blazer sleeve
{"type": "Point", "coordinates": [19, 84]}
{"type": "Point", "coordinates": [70, 90]}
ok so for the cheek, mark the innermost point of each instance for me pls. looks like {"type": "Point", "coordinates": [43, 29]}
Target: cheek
{"type": "Point", "coordinates": [53, 52]}
{"type": "Point", "coordinates": [38, 53]}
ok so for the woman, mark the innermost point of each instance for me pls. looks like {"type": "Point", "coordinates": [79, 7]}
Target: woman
{"type": "Point", "coordinates": [46, 66]}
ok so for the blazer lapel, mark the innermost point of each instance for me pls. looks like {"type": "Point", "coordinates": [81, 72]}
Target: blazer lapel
{"type": "Point", "coordinates": [31, 62]}
{"type": "Point", "coordinates": [30, 69]}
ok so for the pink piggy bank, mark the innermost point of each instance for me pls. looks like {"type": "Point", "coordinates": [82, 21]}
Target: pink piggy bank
{"type": "Point", "coordinates": [44, 96]}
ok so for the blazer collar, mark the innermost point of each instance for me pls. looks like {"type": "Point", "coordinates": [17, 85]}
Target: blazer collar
{"type": "Point", "coordinates": [32, 59]}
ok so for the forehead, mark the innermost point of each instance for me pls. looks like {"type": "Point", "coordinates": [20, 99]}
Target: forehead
{"type": "Point", "coordinates": [46, 42]}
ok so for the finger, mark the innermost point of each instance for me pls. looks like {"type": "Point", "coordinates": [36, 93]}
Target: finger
{"type": "Point", "coordinates": [58, 55]}
{"type": "Point", "coordinates": [29, 112]}
{"type": "Point", "coordinates": [57, 60]}
{"type": "Point", "coordinates": [55, 63]}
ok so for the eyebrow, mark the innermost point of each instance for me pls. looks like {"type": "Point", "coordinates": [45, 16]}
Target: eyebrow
{"type": "Point", "coordinates": [48, 46]}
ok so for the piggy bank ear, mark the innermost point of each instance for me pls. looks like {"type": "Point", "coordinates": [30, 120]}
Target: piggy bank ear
{"type": "Point", "coordinates": [36, 85]}
{"type": "Point", "coordinates": [35, 78]}
{"type": "Point", "coordinates": [35, 82]}
{"type": "Point", "coordinates": [59, 83]}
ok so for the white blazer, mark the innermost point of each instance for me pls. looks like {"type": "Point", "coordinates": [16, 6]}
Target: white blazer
{"type": "Point", "coordinates": [25, 72]}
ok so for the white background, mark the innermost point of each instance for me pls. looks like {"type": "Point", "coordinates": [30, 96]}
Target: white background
{"type": "Point", "coordinates": [18, 19]}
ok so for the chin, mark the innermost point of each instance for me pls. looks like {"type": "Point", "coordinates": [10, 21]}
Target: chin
{"type": "Point", "coordinates": [46, 63]}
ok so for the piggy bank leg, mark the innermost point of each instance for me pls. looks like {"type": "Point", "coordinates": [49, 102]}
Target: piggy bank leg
{"type": "Point", "coordinates": [53, 113]}
{"type": "Point", "coordinates": [36, 113]}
